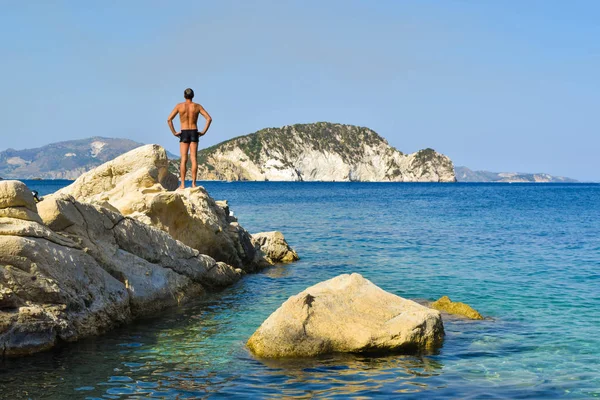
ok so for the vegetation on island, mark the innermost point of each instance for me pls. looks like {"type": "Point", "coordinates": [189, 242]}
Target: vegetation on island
{"type": "Point", "coordinates": [348, 141]}
{"type": "Point", "coordinates": [287, 148]}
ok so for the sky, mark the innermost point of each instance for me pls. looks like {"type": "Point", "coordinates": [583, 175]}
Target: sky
{"type": "Point", "coordinates": [496, 85]}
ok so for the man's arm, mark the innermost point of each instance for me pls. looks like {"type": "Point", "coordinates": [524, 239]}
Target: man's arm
{"type": "Point", "coordinates": [208, 120]}
{"type": "Point", "coordinates": [170, 120]}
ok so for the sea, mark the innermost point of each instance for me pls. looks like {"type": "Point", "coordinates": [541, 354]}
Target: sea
{"type": "Point", "coordinates": [526, 256]}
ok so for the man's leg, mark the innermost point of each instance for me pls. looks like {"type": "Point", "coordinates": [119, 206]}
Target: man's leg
{"type": "Point", "coordinates": [183, 150]}
{"type": "Point", "coordinates": [194, 158]}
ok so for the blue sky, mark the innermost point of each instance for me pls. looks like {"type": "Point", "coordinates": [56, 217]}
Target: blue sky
{"type": "Point", "coordinates": [496, 85]}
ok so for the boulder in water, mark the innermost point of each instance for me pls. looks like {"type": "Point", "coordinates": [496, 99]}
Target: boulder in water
{"type": "Point", "coordinates": [346, 314]}
{"type": "Point", "coordinates": [445, 304]}
{"type": "Point", "coordinates": [274, 245]}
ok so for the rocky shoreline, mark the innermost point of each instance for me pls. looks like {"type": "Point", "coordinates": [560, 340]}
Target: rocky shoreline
{"type": "Point", "coordinates": [116, 244]}
{"type": "Point", "coordinates": [120, 242]}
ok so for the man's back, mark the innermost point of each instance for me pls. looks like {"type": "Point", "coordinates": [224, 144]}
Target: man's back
{"type": "Point", "coordinates": [188, 114]}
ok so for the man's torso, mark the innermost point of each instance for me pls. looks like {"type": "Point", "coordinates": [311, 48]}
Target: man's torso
{"type": "Point", "coordinates": [188, 115]}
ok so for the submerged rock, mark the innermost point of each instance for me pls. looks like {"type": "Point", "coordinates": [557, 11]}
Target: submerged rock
{"type": "Point", "coordinates": [346, 314]}
{"type": "Point", "coordinates": [445, 304]}
{"type": "Point", "coordinates": [274, 245]}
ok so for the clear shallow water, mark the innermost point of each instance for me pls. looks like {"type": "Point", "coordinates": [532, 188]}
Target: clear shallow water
{"type": "Point", "coordinates": [527, 256]}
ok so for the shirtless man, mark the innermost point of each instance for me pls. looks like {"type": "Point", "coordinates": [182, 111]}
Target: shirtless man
{"type": "Point", "coordinates": [188, 137]}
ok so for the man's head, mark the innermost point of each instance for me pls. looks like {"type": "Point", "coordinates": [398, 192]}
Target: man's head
{"type": "Point", "coordinates": [188, 94]}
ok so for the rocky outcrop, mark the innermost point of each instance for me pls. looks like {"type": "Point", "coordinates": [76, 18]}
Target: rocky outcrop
{"type": "Point", "coordinates": [139, 185]}
{"type": "Point", "coordinates": [275, 247]}
{"type": "Point", "coordinates": [50, 289]}
{"type": "Point", "coordinates": [17, 201]}
{"type": "Point", "coordinates": [346, 314]}
{"type": "Point", "coordinates": [445, 304]}
{"type": "Point", "coordinates": [320, 152]}
{"type": "Point", "coordinates": [143, 169]}
{"type": "Point", "coordinates": [73, 267]}
{"type": "Point", "coordinates": [85, 269]}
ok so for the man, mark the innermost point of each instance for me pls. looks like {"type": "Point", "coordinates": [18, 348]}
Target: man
{"type": "Point", "coordinates": [188, 137]}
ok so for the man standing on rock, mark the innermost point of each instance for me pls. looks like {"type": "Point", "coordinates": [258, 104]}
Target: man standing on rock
{"type": "Point", "coordinates": [189, 135]}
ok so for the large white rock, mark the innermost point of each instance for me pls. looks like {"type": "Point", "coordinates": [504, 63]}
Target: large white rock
{"type": "Point", "coordinates": [16, 194]}
{"type": "Point", "coordinates": [16, 201]}
{"type": "Point", "coordinates": [111, 237]}
{"type": "Point", "coordinates": [52, 292]}
{"type": "Point", "coordinates": [346, 314]}
{"type": "Point", "coordinates": [148, 164]}
{"type": "Point", "coordinates": [89, 269]}
{"type": "Point", "coordinates": [50, 288]}
{"type": "Point", "coordinates": [138, 185]}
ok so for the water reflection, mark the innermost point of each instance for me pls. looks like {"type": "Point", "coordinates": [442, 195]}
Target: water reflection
{"type": "Point", "coordinates": [278, 271]}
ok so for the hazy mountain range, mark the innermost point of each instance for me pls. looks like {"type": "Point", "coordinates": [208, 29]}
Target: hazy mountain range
{"type": "Point", "coordinates": [464, 174]}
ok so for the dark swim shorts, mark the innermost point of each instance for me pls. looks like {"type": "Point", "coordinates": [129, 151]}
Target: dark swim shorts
{"type": "Point", "coordinates": [189, 135]}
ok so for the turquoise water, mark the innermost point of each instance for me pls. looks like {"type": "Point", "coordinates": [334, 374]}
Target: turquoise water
{"type": "Point", "coordinates": [525, 255]}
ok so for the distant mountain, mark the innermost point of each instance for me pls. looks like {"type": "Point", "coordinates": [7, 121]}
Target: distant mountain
{"type": "Point", "coordinates": [321, 151]}
{"type": "Point", "coordinates": [62, 160]}
{"type": "Point", "coordinates": [464, 174]}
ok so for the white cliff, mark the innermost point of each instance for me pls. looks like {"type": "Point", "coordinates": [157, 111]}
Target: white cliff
{"type": "Point", "coordinates": [320, 152]}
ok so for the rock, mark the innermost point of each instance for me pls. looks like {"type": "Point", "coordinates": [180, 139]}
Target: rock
{"type": "Point", "coordinates": [192, 217]}
{"type": "Point", "coordinates": [97, 269]}
{"type": "Point", "coordinates": [50, 288]}
{"type": "Point", "coordinates": [16, 194]}
{"type": "Point", "coordinates": [22, 213]}
{"type": "Point", "coordinates": [109, 237]}
{"type": "Point", "coordinates": [445, 304]}
{"type": "Point", "coordinates": [221, 274]}
{"type": "Point", "coordinates": [274, 245]}
{"type": "Point", "coordinates": [346, 314]}
{"type": "Point", "coordinates": [138, 184]}
{"type": "Point", "coordinates": [147, 164]}
{"type": "Point", "coordinates": [54, 292]}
